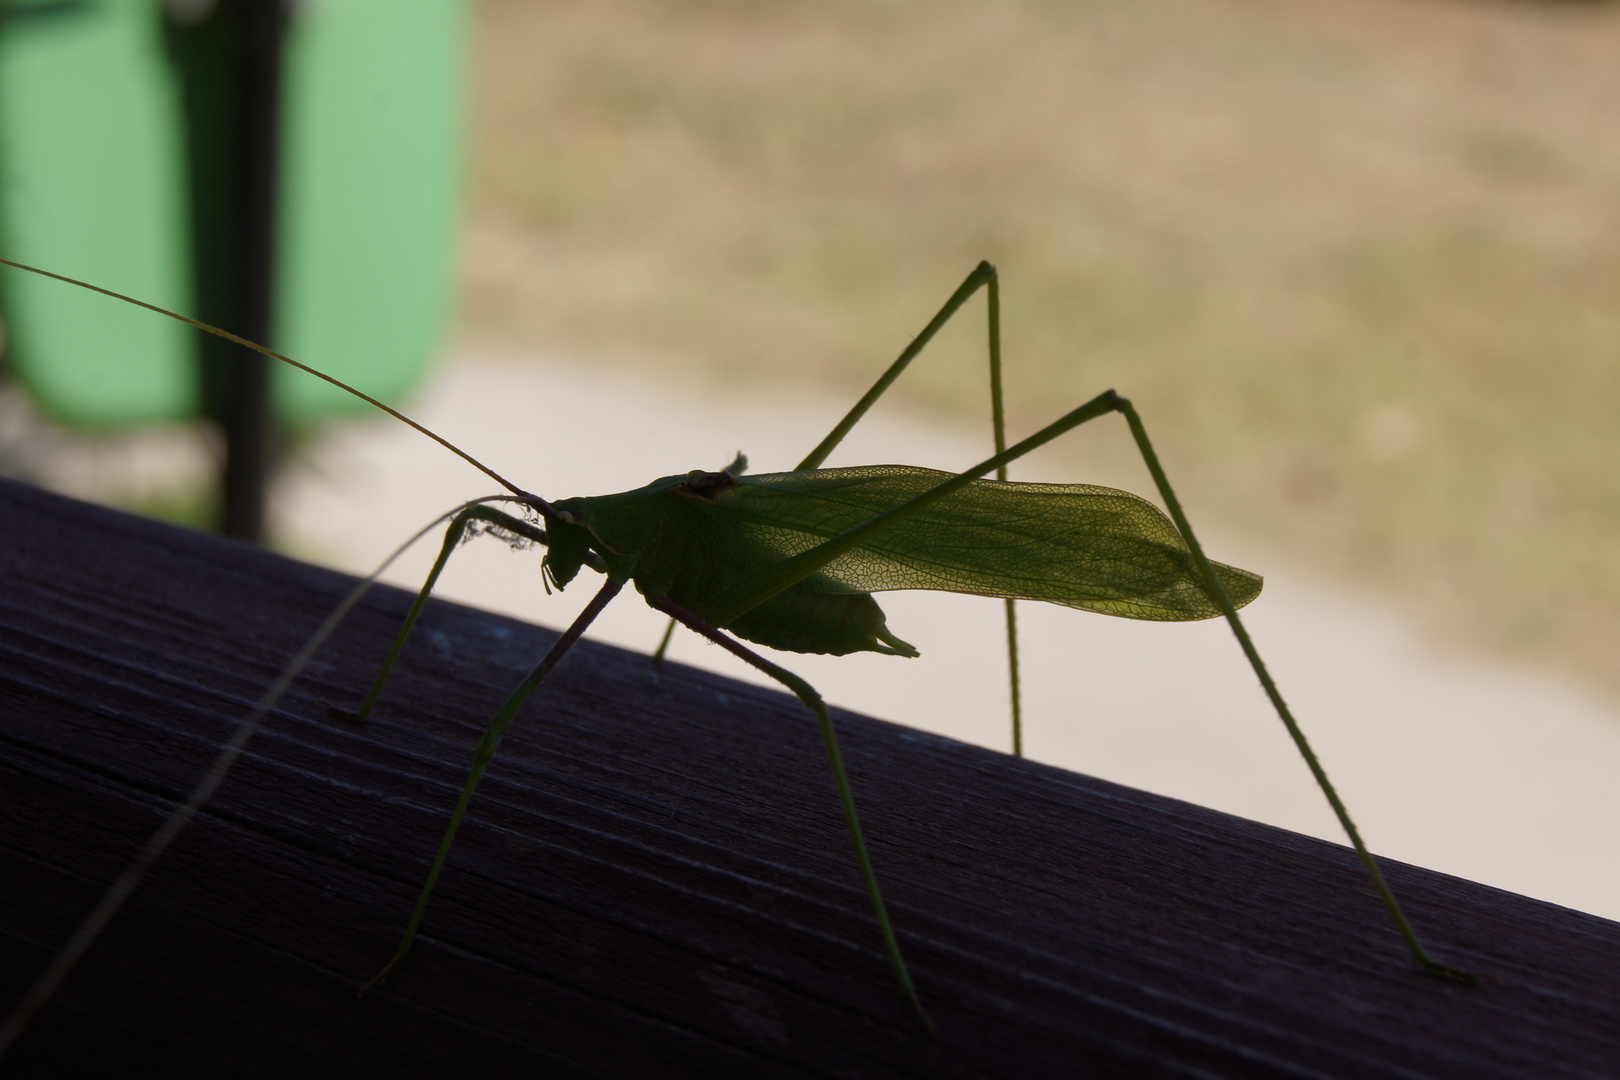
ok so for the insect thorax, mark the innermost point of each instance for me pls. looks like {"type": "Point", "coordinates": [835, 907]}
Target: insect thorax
{"type": "Point", "coordinates": [676, 538]}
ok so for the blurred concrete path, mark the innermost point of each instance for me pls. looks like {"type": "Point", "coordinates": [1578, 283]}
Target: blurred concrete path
{"type": "Point", "coordinates": [1464, 764]}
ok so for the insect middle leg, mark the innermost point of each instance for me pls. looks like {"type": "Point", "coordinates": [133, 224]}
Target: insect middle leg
{"type": "Point", "coordinates": [760, 587]}
{"type": "Point", "coordinates": [983, 276]}
{"type": "Point", "coordinates": [846, 795]}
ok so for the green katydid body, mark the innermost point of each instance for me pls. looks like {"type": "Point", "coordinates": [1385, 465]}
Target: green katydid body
{"type": "Point", "coordinates": [790, 560]}
{"type": "Point", "coordinates": [694, 538]}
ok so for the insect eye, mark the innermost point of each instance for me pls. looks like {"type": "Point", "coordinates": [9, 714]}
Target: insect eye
{"type": "Point", "coordinates": [707, 484]}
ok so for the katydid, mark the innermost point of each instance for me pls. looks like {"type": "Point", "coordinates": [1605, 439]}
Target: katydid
{"type": "Point", "coordinates": [790, 561]}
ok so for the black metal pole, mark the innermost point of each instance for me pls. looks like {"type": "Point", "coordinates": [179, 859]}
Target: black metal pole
{"type": "Point", "coordinates": [228, 55]}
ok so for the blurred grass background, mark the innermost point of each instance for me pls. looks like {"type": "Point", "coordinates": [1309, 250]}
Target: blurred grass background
{"type": "Point", "coordinates": [1357, 261]}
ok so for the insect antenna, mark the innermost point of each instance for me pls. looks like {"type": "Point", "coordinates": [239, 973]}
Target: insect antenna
{"type": "Point", "coordinates": [45, 987]}
{"type": "Point", "coordinates": [529, 498]}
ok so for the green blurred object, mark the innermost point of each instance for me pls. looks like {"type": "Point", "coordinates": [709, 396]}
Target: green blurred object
{"type": "Point", "coordinates": [93, 184]}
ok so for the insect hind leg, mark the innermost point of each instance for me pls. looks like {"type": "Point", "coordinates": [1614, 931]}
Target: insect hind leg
{"type": "Point", "coordinates": [1217, 593]}
{"type": "Point", "coordinates": [982, 276]}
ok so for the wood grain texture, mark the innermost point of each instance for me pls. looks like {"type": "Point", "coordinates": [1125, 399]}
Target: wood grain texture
{"type": "Point", "coordinates": [654, 879]}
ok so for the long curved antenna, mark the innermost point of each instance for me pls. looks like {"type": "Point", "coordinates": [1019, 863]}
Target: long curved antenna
{"type": "Point", "coordinates": [16, 1022]}
{"type": "Point", "coordinates": [533, 500]}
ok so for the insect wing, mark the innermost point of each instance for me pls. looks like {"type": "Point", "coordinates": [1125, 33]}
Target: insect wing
{"type": "Point", "coordinates": [1079, 545]}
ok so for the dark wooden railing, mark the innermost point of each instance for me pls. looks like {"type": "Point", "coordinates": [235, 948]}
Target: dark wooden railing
{"type": "Point", "coordinates": [654, 879]}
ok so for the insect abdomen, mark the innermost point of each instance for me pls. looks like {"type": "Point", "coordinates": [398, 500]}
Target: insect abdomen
{"type": "Point", "coordinates": [806, 621]}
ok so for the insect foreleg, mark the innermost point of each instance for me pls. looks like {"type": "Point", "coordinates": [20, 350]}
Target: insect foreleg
{"type": "Point", "coordinates": [829, 737]}
{"type": "Point", "coordinates": [486, 750]}
{"type": "Point", "coordinates": [453, 536]}
{"type": "Point", "coordinates": [1217, 593]}
{"type": "Point", "coordinates": [90, 929]}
